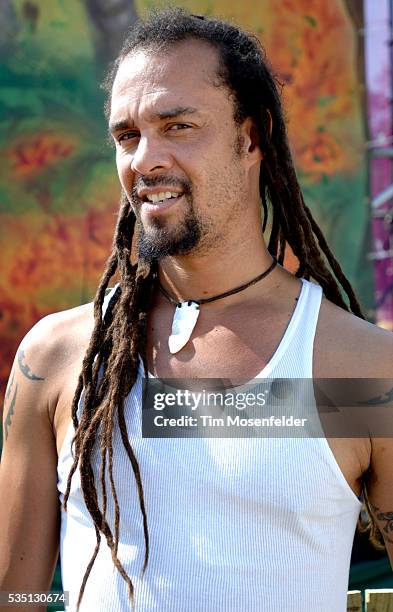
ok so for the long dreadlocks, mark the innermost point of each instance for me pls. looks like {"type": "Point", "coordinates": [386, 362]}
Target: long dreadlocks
{"type": "Point", "coordinates": [110, 365]}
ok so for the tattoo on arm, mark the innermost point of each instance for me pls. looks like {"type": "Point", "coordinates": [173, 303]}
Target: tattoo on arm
{"type": "Point", "coordinates": [9, 386]}
{"type": "Point", "coordinates": [7, 422]}
{"type": "Point", "coordinates": [388, 518]}
{"type": "Point", "coordinates": [25, 368]}
{"type": "Point", "coordinates": [385, 398]}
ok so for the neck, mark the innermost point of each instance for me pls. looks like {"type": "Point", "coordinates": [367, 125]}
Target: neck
{"type": "Point", "coordinates": [205, 275]}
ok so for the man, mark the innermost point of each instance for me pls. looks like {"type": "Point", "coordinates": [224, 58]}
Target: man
{"type": "Point", "coordinates": [203, 524]}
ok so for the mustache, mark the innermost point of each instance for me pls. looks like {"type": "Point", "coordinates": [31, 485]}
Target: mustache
{"type": "Point", "coordinates": [156, 181]}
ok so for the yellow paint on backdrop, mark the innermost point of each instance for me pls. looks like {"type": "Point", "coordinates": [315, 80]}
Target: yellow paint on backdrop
{"type": "Point", "coordinates": [61, 26]}
{"type": "Point", "coordinates": [246, 14]}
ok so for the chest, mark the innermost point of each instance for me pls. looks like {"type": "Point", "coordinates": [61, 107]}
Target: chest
{"type": "Point", "coordinates": [234, 344]}
{"type": "Point", "coordinates": [237, 349]}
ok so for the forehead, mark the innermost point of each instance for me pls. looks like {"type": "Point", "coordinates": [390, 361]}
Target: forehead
{"type": "Point", "coordinates": [183, 75]}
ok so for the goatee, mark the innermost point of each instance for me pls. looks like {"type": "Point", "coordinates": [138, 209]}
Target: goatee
{"type": "Point", "coordinates": [161, 242]}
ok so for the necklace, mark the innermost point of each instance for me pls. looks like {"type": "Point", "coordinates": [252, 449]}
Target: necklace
{"type": "Point", "coordinates": [187, 312]}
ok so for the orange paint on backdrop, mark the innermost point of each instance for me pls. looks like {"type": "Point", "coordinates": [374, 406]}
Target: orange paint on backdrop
{"type": "Point", "coordinates": [36, 152]}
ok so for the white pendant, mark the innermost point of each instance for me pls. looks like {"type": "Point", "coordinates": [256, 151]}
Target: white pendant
{"type": "Point", "coordinates": [183, 324]}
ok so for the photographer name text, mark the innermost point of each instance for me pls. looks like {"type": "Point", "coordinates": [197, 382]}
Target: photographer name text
{"type": "Point", "coordinates": [206, 420]}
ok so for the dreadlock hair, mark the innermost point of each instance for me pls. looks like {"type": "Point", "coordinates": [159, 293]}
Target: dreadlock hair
{"type": "Point", "coordinates": [110, 365]}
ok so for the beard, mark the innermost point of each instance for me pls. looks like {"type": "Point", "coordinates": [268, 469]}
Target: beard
{"type": "Point", "coordinates": [159, 241]}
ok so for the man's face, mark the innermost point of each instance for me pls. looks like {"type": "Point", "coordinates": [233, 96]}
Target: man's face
{"type": "Point", "coordinates": [180, 156]}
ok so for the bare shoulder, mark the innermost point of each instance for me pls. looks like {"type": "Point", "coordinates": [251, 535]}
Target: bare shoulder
{"type": "Point", "coordinates": [347, 346]}
{"type": "Point", "coordinates": [58, 336]}
{"type": "Point", "coordinates": [46, 354]}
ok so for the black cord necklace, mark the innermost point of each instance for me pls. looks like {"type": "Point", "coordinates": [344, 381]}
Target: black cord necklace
{"type": "Point", "coordinates": [187, 311]}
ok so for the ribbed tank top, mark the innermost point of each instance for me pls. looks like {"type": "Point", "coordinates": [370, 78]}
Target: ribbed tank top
{"type": "Point", "coordinates": [236, 525]}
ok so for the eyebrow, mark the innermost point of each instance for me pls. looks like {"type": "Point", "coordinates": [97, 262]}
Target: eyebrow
{"type": "Point", "coordinates": [167, 114]}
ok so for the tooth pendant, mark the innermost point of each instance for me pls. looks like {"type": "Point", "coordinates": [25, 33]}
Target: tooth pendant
{"type": "Point", "coordinates": [183, 324]}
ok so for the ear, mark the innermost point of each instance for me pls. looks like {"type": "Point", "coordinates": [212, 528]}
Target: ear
{"type": "Point", "coordinates": [251, 140]}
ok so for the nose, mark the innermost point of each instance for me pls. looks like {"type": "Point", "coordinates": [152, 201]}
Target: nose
{"type": "Point", "coordinates": [150, 154]}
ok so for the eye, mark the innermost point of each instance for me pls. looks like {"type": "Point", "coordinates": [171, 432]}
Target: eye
{"type": "Point", "coordinates": [127, 136]}
{"type": "Point", "coordinates": [178, 126]}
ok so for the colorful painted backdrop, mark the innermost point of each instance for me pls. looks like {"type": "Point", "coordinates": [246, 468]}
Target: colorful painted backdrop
{"type": "Point", "coordinates": [58, 185]}
{"type": "Point", "coordinates": [379, 102]}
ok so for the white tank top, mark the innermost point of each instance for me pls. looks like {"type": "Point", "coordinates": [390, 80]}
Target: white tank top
{"type": "Point", "coordinates": [235, 525]}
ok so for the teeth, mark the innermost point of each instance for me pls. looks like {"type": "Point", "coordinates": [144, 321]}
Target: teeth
{"type": "Point", "coordinates": [163, 195]}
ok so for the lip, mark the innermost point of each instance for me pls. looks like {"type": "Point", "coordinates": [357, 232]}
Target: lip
{"type": "Point", "coordinates": [154, 208]}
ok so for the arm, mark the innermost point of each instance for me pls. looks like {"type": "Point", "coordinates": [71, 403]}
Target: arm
{"type": "Point", "coordinates": [380, 489]}
{"type": "Point", "coordinates": [29, 507]}
{"type": "Point", "coordinates": [380, 421]}
{"type": "Point", "coordinates": [356, 377]}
